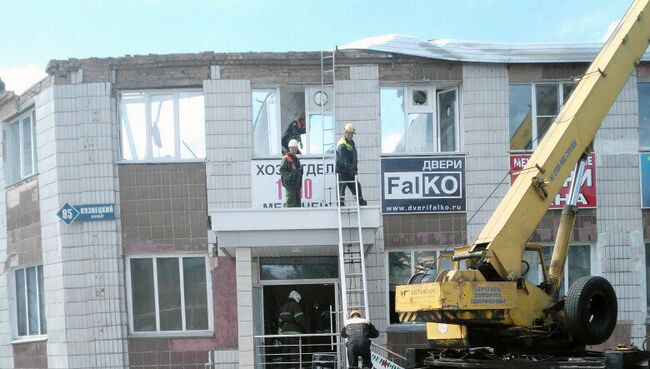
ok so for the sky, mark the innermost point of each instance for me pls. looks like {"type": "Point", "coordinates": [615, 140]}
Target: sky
{"type": "Point", "coordinates": [33, 32]}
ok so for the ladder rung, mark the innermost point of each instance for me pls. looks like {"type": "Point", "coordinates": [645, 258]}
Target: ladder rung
{"type": "Point", "coordinates": [354, 274]}
{"type": "Point", "coordinates": [354, 290]}
{"type": "Point", "coordinates": [328, 56]}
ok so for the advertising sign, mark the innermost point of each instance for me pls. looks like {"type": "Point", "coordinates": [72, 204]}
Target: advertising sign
{"type": "Point", "coordinates": [423, 184]}
{"type": "Point", "coordinates": [318, 183]}
{"type": "Point", "coordinates": [645, 179]}
{"type": "Point", "coordinates": [587, 196]}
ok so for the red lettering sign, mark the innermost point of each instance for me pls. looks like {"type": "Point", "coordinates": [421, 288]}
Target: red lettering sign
{"type": "Point", "coordinates": [587, 197]}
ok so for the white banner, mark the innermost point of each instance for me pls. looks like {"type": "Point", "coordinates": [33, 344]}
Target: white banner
{"type": "Point", "coordinates": [318, 183]}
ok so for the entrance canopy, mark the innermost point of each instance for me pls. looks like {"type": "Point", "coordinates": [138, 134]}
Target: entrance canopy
{"type": "Point", "coordinates": [280, 232]}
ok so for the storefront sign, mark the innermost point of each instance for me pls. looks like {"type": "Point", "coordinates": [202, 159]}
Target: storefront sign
{"type": "Point", "coordinates": [587, 197]}
{"type": "Point", "coordinates": [423, 185]}
{"type": "Point", "coordinates": [645, 179]}
{"type": "Point", "coordinates": [318, 183]}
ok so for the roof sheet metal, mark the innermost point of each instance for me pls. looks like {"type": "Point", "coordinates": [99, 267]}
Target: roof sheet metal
{"type": "Point", "coordinates": [480, 52]}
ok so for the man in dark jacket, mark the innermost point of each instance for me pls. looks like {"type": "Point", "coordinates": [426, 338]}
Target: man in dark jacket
{"type": "Point", "coordinates": [292, 319]}
{"type": "Point", "coordinates": [346, 164]}
{"type": "Point", "coordinates": [358, 332]}
{"type": "Point", "coordinates": [294, 130]}
{"type": "Point", "coordinates": [291, 174]}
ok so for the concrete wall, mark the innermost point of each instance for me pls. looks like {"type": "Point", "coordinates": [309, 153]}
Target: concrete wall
{"type": "Point", "coordinates": [6, 356]}
{"type": "Point", "coordinates": [620, 236]}
{"type": "Point", "coordinates": [484, 119]}
{"type": "Point", "coordinates": [163, 208]}
{"type": "Point", "coordinates": [229, 142]}
{"type": "Point", "coordinates": [84, 277]}
{"type": "Point", "coordinates": [24, 224]}
{"type": "Point", "coordinates": [30, 355]}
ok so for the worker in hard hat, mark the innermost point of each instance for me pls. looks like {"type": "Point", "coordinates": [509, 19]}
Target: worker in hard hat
{"type": "Point", "coordinates": [295, 129]}
{"type": "Point", "coordinates": [346, 164]}
{"type": "Point", "coordinates": [292, 322]}
{"type": "Point", "coordinates": [358, 332]}
{"type": "Point", "coordinates": [291, 176]}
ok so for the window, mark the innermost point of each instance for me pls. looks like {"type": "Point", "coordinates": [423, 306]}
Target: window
{"type": "Point", "coordinates": [20, 138]}
{"type": "Point", "coordinates": [410, 124]}
{"type": "Point", "coordinates": [169, 294]}
{"type": "Point", "coordinates": [266, 115]}
{"type": "Point", "coordinates": [644, 115]}
{"type": "Point", "coordinates": [578, 264]}
{"type": "Point", "coordinates": [162, 125]}
{"type": "Point", "coordinates": [275, 109]}
{"type": "Point", "coordinates": [403, 264]}
{"type": "Point", "coordinates": [532, 110]}
{"type": "Point", "coordinates": [30, 302]}
{"type": "Point", "coordinates": [647, 277]}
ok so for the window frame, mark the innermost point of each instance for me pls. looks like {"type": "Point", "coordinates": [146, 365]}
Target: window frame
{"type": "Point", "coordinates": [434, 92]}
{"type": "Point", "coordinates": [329, 111]}
{"type": "Point", "coordinates": [149, 148]}
{"type": "Point", "coordinates": [13, 305]}
{"type": "Point", "coordinates": [594, 266]}
{"type": "Point", "coordinates": [278, 120]}
{"type": "Point", "coordinates": [533, 110]}
{"type": "Point", "coordinates": [642, 149]}
{"type": "Point", "coordinates": [19, 120]}
{"type": "Point", "coordinates": [177, 333]}
{"type": "Point", "coordinates": [440, 251]}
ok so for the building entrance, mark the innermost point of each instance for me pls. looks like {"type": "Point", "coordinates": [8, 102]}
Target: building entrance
{"type": "Point", "coordinates": [312, 340]}
{"type": "Point", "coordinates": [318, 305]}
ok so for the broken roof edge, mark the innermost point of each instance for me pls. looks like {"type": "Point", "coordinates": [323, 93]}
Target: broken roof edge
{"type": "Point", "coordinates": [477, 52]}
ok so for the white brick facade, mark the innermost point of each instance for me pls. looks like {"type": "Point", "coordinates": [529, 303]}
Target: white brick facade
{"type": "Point", "coordinates": [6, 357]}
{"type": "Point", "coordinates": [484, 112]}
{"type": "Point", "coordinates": [84, 277]}
{"type": "Point", "coordinates": [620, 237]}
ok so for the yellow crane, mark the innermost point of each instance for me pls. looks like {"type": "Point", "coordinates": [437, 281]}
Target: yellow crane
{"type": "Point", "coordinates": [486, 299]}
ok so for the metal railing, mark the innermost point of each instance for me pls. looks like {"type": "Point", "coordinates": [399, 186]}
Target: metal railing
{"type": "Point", "coordinates": [284, 351]}
{"type": "Point", "coordinates": [387, 354]}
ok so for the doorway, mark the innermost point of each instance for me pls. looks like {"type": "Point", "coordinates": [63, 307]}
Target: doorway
{"type": "Point", "coordinates": [318, 303]}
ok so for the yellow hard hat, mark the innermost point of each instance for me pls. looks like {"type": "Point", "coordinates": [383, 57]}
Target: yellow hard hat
{"type": "Point", "coordinates": [350, 128]}
{"type": "Point", "coordinates": [355, 312]}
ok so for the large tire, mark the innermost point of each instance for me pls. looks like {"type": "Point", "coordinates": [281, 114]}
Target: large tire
{"type": "Point", "coordinates": [591, 310]}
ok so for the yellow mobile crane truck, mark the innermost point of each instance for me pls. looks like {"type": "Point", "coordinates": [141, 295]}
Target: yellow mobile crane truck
{"type": "Point", "coordinates": [486, 299]}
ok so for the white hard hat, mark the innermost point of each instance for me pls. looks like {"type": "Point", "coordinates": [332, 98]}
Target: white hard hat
{"type": "Point", "coordinates": [293, 143]}
{"type": "Point", "coordinates": [350, 128]}
{"type": "Point", "coordinates": [295, 295]}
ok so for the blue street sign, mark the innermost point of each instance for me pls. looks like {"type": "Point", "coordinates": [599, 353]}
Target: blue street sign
{"type": "Point", "coordinates": [86, 213]}
{"type": "Point", "coordinates": [68, 213]}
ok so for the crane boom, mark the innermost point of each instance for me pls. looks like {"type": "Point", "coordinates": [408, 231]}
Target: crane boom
{"type": "Point", "coordinates": [571, 134]}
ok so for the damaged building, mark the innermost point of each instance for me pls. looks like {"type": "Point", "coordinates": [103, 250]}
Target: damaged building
{"type": "Point", "coordinates": [142, 221]}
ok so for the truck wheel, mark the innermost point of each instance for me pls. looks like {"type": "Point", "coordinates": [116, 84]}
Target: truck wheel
{"type": "Point", "coordinates": [591, 310]}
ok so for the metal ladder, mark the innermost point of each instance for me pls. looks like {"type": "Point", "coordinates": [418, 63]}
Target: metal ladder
{"type": "Point", "coordinates": [352, 264]}
{"type": "Point", "coordinates": [329, 134]}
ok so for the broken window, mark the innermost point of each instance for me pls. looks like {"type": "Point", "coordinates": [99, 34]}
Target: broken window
{"type": "Point", "coordinates": [305, 114]}
{"type": "Point", "coordinates": [410, 124]}
{"type": "Point", "coordinates": [266, 115]}
{"type": "Point", "coordinates": [20, 148]}
{"type": "Point", "coordinates": [162, 125]}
